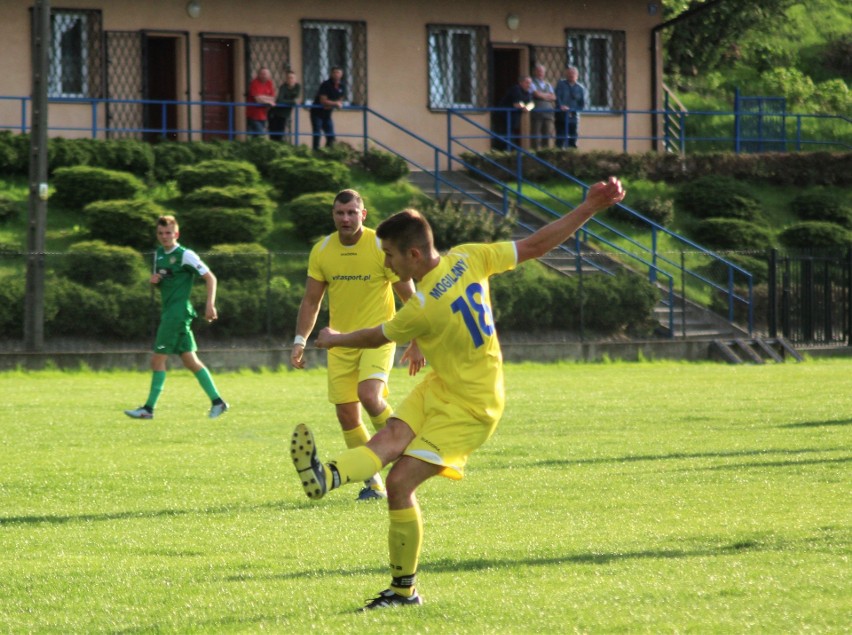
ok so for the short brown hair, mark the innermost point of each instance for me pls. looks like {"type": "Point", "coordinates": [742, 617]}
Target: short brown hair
{"type": "Point", "coordinates": [345, 196]}
{"type": "Point", "coordinates": [168, 221]}
{"type": "Point", "coordinates": [406, 229]}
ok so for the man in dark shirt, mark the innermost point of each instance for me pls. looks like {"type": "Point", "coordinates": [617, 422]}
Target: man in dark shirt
{"type": "Point", "coordinates": [329, 96]}
{"type": "Point", "coordinates": [508, 122]}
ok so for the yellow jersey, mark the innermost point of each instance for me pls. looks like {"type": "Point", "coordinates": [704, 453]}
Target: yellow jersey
{"type": "Point", "coordinates": [359, 285]}
{"type": "Point", "coordinates": [450, 315]}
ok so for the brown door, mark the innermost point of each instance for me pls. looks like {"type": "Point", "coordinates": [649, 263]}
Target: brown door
{"type": "Point", "coordinates": [217, 84]}
{"type": "Point", "coordinates": [161, 84]}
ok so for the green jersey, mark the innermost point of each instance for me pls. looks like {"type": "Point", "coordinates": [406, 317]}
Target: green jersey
{"type": "Point", "coordinates": [178, 270]}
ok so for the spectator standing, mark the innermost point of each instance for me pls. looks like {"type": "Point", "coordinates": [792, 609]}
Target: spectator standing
{"type": "Point", "coordinates": [261, 91]}
{"type": "Point", "coordinates": [520, 98]}
{"type": "Point", "coordinates": [329, 96]}
{"type": "Point", "coordinates": [281, 116]}
{"type": "Point", "coordinates": [542, 117]}
{"type": "Point", "coordinates": [570, 100]}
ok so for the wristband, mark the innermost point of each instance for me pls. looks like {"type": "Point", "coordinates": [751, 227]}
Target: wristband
{"type": "Point", "coordinates": [299, 340]}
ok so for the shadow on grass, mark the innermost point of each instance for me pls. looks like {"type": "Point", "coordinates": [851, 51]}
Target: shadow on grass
{"type": "Point", "coordinates": [447, 565]}
{"type": "Point", "coordinates": [160, 513]}
{"type": "Point", "coordinates": [676, 456]}
{"type": "Point", "coordinates": [818, 424]}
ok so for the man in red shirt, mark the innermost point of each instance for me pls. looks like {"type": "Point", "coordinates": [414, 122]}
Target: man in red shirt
{"type": "Point", "coordinates": [261, 91]}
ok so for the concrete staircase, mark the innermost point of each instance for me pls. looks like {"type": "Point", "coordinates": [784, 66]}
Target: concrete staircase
{"type": "Point", "coordinates": [755, 350]}
{"type": "Point", "coordinates": [691, 321]}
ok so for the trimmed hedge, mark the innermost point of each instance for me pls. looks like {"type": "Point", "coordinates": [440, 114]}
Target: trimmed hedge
{"type": "Point", "coordinates": [207, 226]}
{"type": "Point", "coordinates": [233, 196]}
{"type": "Point", "coordinates": [822, 205]}
{"type": "Point", "coordinates": [294, 176]}
{"type": "Point", "coordinates": [244, 264]}
{"type": "Point", "coordinates": [311, 215]}
{"type": "Point", "coordinates": [717, 197]}
{"type": "Point", "coordinates": [76, 187]}
{"type": "Point", "coordinates": [216, 173]}
{"type": "Point", "coordinates": [94, 261]}
{"type": "Point", "coordinates": [384, 166]}
{"type": "Point", "coordinates": [816, 235]}
{"type": "Point", "coordinates": [732, 233]}
{"type": "Point", "coordinates": [453, 224]}
{"type": "Point", "coordinates": [128, 223]}
{"type": "Point", "coordinates": [657, 209]}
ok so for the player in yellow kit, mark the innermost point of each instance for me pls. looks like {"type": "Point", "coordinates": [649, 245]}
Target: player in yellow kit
{"type": "Point", "coordinates": [350, 264]}
{"type": "Point", "coordinates": [458, 405]}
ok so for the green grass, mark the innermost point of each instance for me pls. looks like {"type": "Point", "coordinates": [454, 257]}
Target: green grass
{"type": "Point", "coordinates": [652, 497]}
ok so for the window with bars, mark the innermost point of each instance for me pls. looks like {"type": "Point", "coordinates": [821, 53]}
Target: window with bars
{"type": "Point", "coordinates": [75, 53]}
{"type": "Point", "coordinates": [329, 44]}
{"type": "Point", "coordinates": [599, 58]}
{"type": "Point", "coordinates": [457, 66]}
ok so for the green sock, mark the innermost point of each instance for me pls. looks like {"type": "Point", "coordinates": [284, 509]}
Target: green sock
{"type": "Point", "coordinates": [206, 381]}
{"type": "Point", "coordinates": [158, 378]}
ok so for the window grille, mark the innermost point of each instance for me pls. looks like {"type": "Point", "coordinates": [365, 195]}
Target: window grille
{"type": "Point", "coordinates": [600, 59]}
{"type": "Point", "coordinates": [124, 82]}
{"type": "Point", "coordinates": [329, 44]}
{"type": "Point", "coordinates": [270, 52]}
{"type": "Point", "coordinates": [458, 66]}
{"type": "Point", "coordinates": [75, 53]}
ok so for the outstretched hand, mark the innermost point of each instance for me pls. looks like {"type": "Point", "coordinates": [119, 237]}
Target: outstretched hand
{"type": "Point", "coordinates": [605, 194]}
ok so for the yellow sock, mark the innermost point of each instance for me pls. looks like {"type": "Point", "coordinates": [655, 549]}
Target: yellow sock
{"type": "Point", "coordinates": [356, 465]}
{"type": "Point", "coordinates": [381, 419]}
{"type": "Point", "coordinates": [356, 437]}
{"type": "Point", "coordinates": [405, 538]}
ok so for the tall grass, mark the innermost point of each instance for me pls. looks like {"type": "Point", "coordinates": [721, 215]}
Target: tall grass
{"type": "Point", "coordinates": [653, 497]}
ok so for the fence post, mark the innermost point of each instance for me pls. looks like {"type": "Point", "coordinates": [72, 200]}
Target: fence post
{"type": "Point", "coordinates": [580, 285]}
{"type": "Point", "coordinates": [683, 293]}
{"type": "Point", "coordinates": [269, 294]}
{"type": "Point", "coordinates": [773, 294]}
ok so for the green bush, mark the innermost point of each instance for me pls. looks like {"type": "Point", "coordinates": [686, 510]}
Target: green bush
{"type": "Point", "coordinates": [232, 196]}
{"type": "Point", "coordinates": [816, 235]}
{"type": "Point", "coordinates": [14, 155]}
{"type": "Point", "coordinates": [822, 205]}
{"type": "Point", "coordinates": [717, 197]}
{"type": "Point", "coordinates": [757, 266]}
{"type": "Point", "coordinates": [240, 264]}
{"type": "Point", "coordinates": [284, 301]}
{"type": "Point", "coordinates": [262, 152]}
{"type": "Point", "coordinates": [68, 153]}
{"type": "Point", "coordinates": [76, 187]}
{"type": "Point", "coordinates": [125, 155]}
{"type": "Point", "coordinates": [207, 226]}
{"type": "Point", "coordinates": [94, 261]}
{"type": "Point", "coordinates": [128, 223]}
{"type": "Point", "coordinates": [77, 309]}
{"type": "Point", "coordinates": [242, 311]}
{"type": "Point", "coordinates": [169, 157]}
{"type": "Point", "coordinates": [137, 316]}
{"type": "Point", "coordinates": [453, 224]}
{"type": "Point", "coordinates": [311, 215]}
{"type": "Point", "coordinates": [657, 209]}
{"type": "Point", "coordinates": [216, 173]}
{"type": "Point", "coordinates": [341, 152]}
{"type": "Point", "coordinates": [12, 292]}
{"type": "Point", "coordinates": [294, 176]}
{"type": "Point", "coordinates": [732, 233]}
{"type": "Point", "coordinates": [9, 209]}
{"type": "Point", "coordinates": [384, 166]}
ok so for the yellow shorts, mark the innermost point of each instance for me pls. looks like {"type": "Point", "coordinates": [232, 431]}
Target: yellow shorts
{"type": "Point", "coordinates": [348, 367]}
{"type": "Point", "coordinates": [446, 433]}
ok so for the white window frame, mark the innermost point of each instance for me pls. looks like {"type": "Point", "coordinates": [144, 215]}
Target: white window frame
{"type": "Point", "coordinates": [64, 21]}
{"type": "Point", "coordinates": [325, 65]}
{"type": "Point", "coordinates": [438, 67]}
{"type": "Point", "coordinates": [580, 55]}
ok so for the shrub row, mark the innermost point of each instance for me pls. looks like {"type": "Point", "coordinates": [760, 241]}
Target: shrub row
{"type": "Point", "coordinates": [793, 168]}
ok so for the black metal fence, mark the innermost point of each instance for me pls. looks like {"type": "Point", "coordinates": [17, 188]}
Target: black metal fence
{"type": "Point", "coordinates": [810, 297]}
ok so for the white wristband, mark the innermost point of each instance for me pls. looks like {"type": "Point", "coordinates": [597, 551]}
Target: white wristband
{"type": "Point", "coordinates": [299, 340]}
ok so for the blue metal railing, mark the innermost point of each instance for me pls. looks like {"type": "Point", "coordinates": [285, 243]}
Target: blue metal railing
{"type": "Point", "coordinates": [657, 260]}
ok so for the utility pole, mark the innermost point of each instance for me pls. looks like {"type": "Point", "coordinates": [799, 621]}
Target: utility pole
{"type": "Point", "coordinates": [37, 220]}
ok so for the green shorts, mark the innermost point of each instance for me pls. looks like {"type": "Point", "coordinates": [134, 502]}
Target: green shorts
{"type": "Point", "coordinates": [174, 337]}
{"type": "Point", "coordinates": [348, 367]}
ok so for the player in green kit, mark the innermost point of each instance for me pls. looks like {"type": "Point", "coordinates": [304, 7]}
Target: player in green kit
{"type": "Point", "coordinates": [175, 271]}
{"type": "Point", "coordinates": [457, 406]}
{"type": "Point", "coordinates": [349, 264]}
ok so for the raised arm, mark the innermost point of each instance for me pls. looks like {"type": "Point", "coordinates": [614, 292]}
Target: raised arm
{"type": "Point", "coordinates": [600, 196]}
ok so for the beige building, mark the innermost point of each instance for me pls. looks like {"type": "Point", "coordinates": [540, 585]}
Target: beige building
{"type": "Point", "coordinates": [407, 61]}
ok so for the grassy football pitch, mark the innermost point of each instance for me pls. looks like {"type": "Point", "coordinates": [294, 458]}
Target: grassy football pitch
{"type": "Point", "coordinates": [634, 497]}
